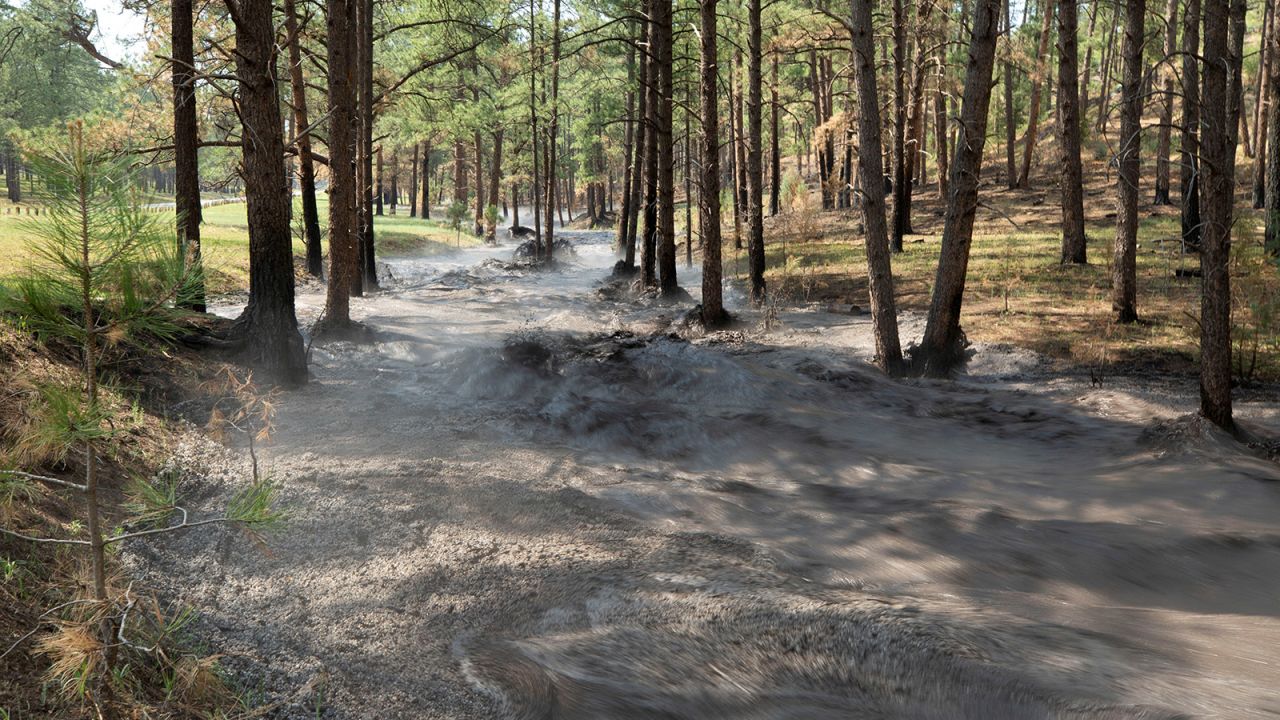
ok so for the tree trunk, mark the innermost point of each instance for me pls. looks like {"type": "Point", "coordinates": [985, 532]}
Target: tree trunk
{"type": "Point", "coordinates": [1074, 248]}
{"type": "Point", "coordinates": [1218, 153]}
{"type": "Point", "coordinates": [941, 348]}
{"type": "Point", "coordinates": [533, 134]}
{"type": "Point", "coordinates": [343, 139]}
{"type": "Point", "coordinates": [628, 153]}
{"type": "Point", "coordinates": [871, 173]}
{"type": "Point", "coordinates": [1189, 141]}
{"type": "Point", "coordinates": [364, 48]}
{"type": "Point", "coordinates": [380, 192]}
{"type": "Point", "coordinates": [1010, 120]}
{"type": "Point", "coordinates": [426, 180]}
{"type": "Point", "coordinates": [736, 160]}
{"type": "Point", "coordinates": [901, 192]}
{"type": "Point", "coordinates": [1165, 135]}
{"type": "Point", "coordinates": [553, 131]}
{"type": "Point", "coordinates": [481, 199]}
{"type": "Point", "coordinates": [915, 122]}
{"type": "Point", "coordinates": [648, 260]}
{"type": "Point", "coordinates": [306, 165]}
{"type": "Point", "coordinates": [1272, 183]}
{"type": "Point", "coordinates": [268, 324]}
{"type": "Point", "coordinates": [186, 139]}
{"type": "Point", "coordinates": [709, 183]}
{"type": "Point", "coordinates": [940, 110]}
{"type": "Point", "coordinates": [413, 182]}
{"type": "Point", "coordinates": [1033, 115]}
{"type": "Point", "coordinates": [775, 150]}
{"type": "Point", "coordinates": [495, 178]}
{"type": "Point", "coordinates": [1088, 64]}
{"type": "Point", "coordinates": [639, 163]}
{"type": "Point", "coordinates": [666, 152]}
{"type": "Point", "coordinates": [394, 197]}
{"type": "Point", "coordinates": [755, 171]}
{"type": "Point", "coordinates": [1124, 269]}
{"type": "Point", "coordinates": [1262, 109]}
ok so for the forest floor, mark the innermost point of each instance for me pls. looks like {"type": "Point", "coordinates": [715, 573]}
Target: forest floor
{"type": "Point", "coordinates": [1017, 291]}
{"type": "Point", "coordinates": [534, 494]}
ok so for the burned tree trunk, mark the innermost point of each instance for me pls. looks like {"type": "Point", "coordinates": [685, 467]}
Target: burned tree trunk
{"type": "Point", "coordinates": [709, 181]}
{"type": "Point", "coordinates": [268, 324]}
{"type": "Point", "coordinates": [186, 139]}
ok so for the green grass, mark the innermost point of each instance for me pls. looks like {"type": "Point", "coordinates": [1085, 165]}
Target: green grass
{"type": "Point", "coordinates": [224, 237]}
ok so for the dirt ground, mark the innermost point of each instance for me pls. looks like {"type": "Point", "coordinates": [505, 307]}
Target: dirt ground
{"type": "Point", "coordinates": [531, 499]}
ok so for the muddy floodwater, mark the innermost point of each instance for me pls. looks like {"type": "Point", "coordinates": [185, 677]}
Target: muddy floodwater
{"type": "Point", "coordinates": [528, 497]}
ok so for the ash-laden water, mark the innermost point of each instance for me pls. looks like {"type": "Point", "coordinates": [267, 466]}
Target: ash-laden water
{"type": "Point", "coordinates": [531, 499]}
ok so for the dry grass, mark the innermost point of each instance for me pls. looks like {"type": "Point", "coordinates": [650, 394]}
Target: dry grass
{"type": "Point", "coordinates": [1018, 293]}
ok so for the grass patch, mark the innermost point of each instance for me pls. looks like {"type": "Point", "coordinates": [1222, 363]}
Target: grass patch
{"type": "Point", "coordinates": [224, 238]}
{"type": "Point", "coordinates": [1018, 293]}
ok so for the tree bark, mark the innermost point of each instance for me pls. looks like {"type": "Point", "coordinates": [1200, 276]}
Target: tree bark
{"type": "Point", "coordinates": [775, 149]}
{"type": "Point", "coordinates": [186, 139]}
{"type": "Point", "coordinates": [1262, 109]}
{"type": "Point", "coordinates": [1165, 133]}
{"type": "Point", "coordinates": [495, 178]}
{"type": "Point", "coordinates": [268, 323]}
{"type": "Point", "coordinates": [413, 182]}
{"type": "Point", "coordinates": [942, 346]}
{"type": "Point", "coordinates": [648, 260]}
{"type": "Point", "coordinates": [666, 152]}
{"type": "Point", "coordinates": [1218, 155]}
{"type": "Point", "coordinates": [1124, 268]}
{"type": "Point", "coordinates": [343, 138]}
{"type": "Point", "coordinates": [552, 136]}
{"type": "Point", "coordinates": [306, 165]}
{"type": "Point", "coordinates": [1074, 244]}
{"type": "Point", "coordinates": [901, 213]}
{"type": "Point", "coordinates": [641, 150]}
{"type": "Point", "coordinates": [755, 171]}
{"type": "Point", "coordinates": [380, 192]}
{"type": "Point", "coordinates": [364, 46]}
{"type": "Point", "coordinates": [1010, 120]}
{"type": "Point", "coordinates": [713, 313]}
{"type": "Point", "coordinates": [426, 180]}
{"type": "Point", "coordinates": [1189, 141]}
{"type": "Point", "coordinates": [628, 153]}
{"type": "Point", "coordinates": [1272, 184]}
{"type": "Point", "coordinates": [1037, 83]}
{"type": "Point", "coordinates": [940, 110]}
{"type": "Point", "coordinates": [884, 313]}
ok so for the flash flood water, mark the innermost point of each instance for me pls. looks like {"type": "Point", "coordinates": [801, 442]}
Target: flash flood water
{"type": "Point", "coordinates": [529, 497]}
